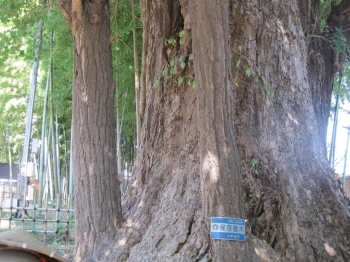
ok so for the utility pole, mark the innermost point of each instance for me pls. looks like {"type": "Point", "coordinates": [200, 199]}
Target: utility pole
{"type": "Point", "coordinates": [345, 159]}
{"type": "Point", "coordinates": [334, 133]}
{"type": "Point", "coordinates": [22, 179]}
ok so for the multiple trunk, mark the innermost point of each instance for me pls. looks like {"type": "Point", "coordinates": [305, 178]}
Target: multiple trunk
{"type": "Point", "coordinates": [247, 141]}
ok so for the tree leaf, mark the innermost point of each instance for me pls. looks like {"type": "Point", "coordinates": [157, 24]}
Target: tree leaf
{"type": "Point", "coordinates": [156, 84]}
{"type": "Point", "coordinates": [238, 63]}
{"type": "Point", "coordinates": [194, 85]}
{"type": "Point", "coordinates": [173, 70]}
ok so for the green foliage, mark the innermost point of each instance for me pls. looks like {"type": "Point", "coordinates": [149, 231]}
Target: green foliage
{"type": "Point", "coordinates": [170, 42]}
{"type": "Point", "coordinates": [339, 41]}
{"type": "Point", "coordinates": [171, 71]}
{"type": "Point", "coordinates": [18, 34]}
{"type": "Point", "coordinates": [176, 67]}
{"type": "Point", "coordinates": [18, 29]}
{"type": "Point", "coordinates": [255, 196]}
{"type": "Point", "coordinates": [343, 90]}
{"type": "Point", "coordinates": [254, 164]}
{"type": "Point", "coordinates": [123, 64]}
{"type": "Point", "coordinates": [325, 8]}
{"type": "Point", "coordinates": [253, 71]}
{"type": "Point", "coordinates": [14, 82]}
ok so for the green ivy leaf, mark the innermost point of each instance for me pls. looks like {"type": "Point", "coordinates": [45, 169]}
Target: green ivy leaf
{"type": "Point", "coordinates": [238, 63]}
{"type": "Point", "coordinates": [156, 83]}
{"type": "Point", "coordinates": [257, 71]}
{"type": "Point", "coordinates": [173, 70]}
{"type": "Point", "coordinates": [248, 72]}
{"type": "Point", "coordinates": [256, 78]}
{"type": "Point", "coordinates": [191, 57]}
{"type": "Point", "coordinates": [194, 85]}
{"type": "Point", "coordinates": [172, 62]}
{"type": "Point", "coordinates": [180, 80]}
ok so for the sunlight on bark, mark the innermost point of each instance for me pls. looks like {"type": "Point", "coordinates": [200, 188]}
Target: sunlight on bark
{"type": "Point", "coordinates": [141, 203]}
{"type": "Point", "coordinates": [330, 250]}
{"type": "Point", "coordinates": [262, 253]}
{"type": "Point", "coordinates": [293, 119]}
{"type": "Point", "coordinates": [283, 31]}
{"type": "Point", "coordinates": [211, 167]}
{"type": "Point", "coordinates": [122, 242]}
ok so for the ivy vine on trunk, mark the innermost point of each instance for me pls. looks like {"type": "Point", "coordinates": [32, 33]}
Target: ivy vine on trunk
{"type": "Point", "coordinates": [227, 147]}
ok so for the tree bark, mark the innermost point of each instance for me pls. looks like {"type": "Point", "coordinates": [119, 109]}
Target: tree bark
{"type": "Point", "coordinates": [300, 212]}
{"type": "Point", "coordinates": [263, 106]}
{"type": "Point", "coordinates": [221, 185]}
{"type": "Point", "coordinates": [96, 187]}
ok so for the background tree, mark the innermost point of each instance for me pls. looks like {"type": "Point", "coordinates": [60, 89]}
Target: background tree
{"type": "Point", "coordinates": [17, 48]}
{"type": "Point", "coordinates": [97, 193]}
{"type": "Point", "coordinates": [123, 64]}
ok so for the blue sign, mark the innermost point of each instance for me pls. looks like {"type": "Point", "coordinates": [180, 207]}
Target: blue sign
{"type": "Point", "coordinates": [227, 228]}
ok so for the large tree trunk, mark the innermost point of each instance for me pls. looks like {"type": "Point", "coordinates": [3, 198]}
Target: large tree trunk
{"type": "Point", "coordinates": [221, 181]}
{"type": "Point", "coordinates": [188, 168]}
{"type": "Point", "coordinates": [96, 186]}
{"type": "Point", "coordinates": [293, 203]}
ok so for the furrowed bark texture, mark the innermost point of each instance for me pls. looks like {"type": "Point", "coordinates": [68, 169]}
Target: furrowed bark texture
{"type": "Point", "coordinates": [221, 184]}
{"type": "Point", "coordinates": [262, 107]}
{"type": "Point", "coordinates": [96, 186]}
{"type": "Point", "coordinates": [292, 199]}
{"type": "Point", "coordinates": [162, 207]}
{"type": "Point", "coordinates": [187, 169]}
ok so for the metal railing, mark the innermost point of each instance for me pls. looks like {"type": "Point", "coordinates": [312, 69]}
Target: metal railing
{"type": "Point", "coordinates": [53, 223]}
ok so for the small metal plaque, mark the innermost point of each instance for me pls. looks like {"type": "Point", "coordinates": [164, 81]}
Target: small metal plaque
{"type": "Point", "coordinates": [227, 228]}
